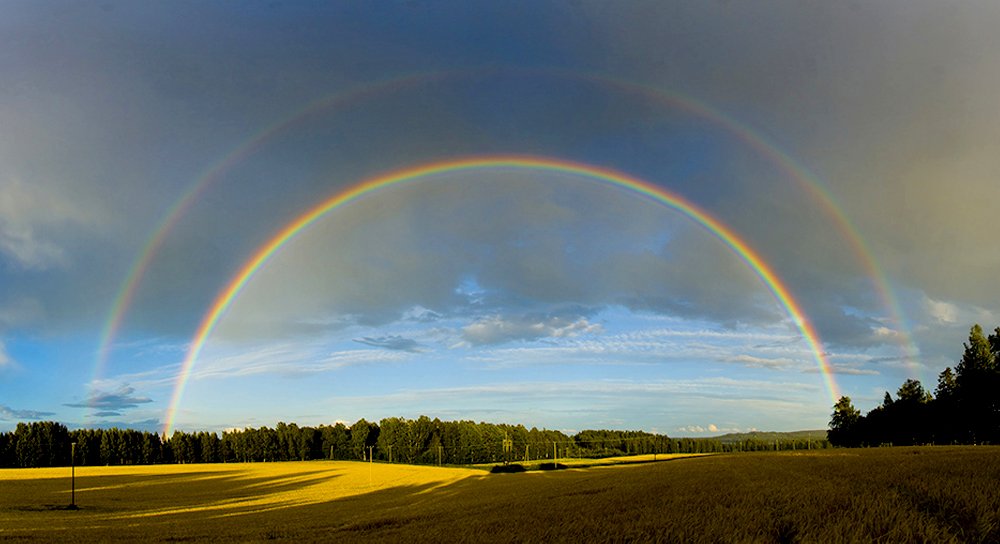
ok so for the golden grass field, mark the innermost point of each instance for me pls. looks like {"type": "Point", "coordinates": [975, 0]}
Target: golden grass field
{"type": "Point", "coordinates": [939, 494]}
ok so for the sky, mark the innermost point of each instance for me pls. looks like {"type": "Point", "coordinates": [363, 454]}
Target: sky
{"type": "Point", "coordinates": [150, 151]}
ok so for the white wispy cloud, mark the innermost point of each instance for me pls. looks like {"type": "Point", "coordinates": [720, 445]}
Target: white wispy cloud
{"type": "Point", "coordinates": [762, 362]}
{"type": "Point", "coordinates": [846, 369]}
{"type": "Point", "coordinates": [713, 387]}
{"type": "Point", "coordinates": [941, 311]}
{"type": "Point", "coordinates": [393, 342]}
{"type": "Point", "coordinates": [287, 359]}
{"type": "Point", "coordinates": [499, 329]}
{"type": "Point", "coordinates": [758, 349]}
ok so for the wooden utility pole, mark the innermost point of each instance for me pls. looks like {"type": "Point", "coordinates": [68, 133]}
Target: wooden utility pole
{"type": "Point", "coordinates": [390, 453]}
{"type": "Point", "coordinates": [72, 475]}
{"type": "Point", "coordinates": [440, 452]}
{"type": "Point", "coordinates": [554, 456]}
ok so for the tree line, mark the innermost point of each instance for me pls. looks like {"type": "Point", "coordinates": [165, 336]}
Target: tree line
{"type": "Point", "coordinates": [417, 441]}
{"type": "Point", "coordinates": [964, 408]}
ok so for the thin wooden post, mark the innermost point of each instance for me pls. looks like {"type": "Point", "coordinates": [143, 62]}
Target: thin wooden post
{"type": "Point", "coordinates": [72, 475]}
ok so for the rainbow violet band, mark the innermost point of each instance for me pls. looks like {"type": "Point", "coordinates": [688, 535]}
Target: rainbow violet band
{"type": "Point", "coordinates": [412, 174]}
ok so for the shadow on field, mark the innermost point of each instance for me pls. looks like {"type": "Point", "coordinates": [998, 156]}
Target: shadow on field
{"type": "Point", "coordinates": [933, 494]}
{"type": "Point", "coordinates": [54, 493]}
{"type": "Point", "coordinates": [151, 495]}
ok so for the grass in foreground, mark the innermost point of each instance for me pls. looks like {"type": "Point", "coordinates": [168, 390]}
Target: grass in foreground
{"type": "Point", "coordinates": [944, 494]}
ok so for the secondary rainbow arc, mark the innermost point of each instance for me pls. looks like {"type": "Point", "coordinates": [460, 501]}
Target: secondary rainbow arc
{"type": "Point", "coordinates": [137, 270]}
{"type": "Point", "coordinates": [594, 173]}
{"type": "Point", "coordinates": [805, 179]}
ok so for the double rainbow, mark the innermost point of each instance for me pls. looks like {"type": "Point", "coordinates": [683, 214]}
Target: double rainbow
{"type": "Point", "coordinates": [796, 172]}
{"type": "Point", "coordinates": [544, 164]}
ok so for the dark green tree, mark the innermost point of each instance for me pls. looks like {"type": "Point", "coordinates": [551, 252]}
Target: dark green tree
{"type": "Point", "coordinates": [977, 360]}
{"type": "Point", "coordinates": [843, 423]}
{"type": "Point", "coordinates": [363, 435]}
{"type": "Point", "coordinates": [977, 382]}
{"type": "Point", "coordinates": [945, 420]}
{"type": "Point", "coordinates": [946, 387]}
{"type": "Point", "coordinates": [912, 391]}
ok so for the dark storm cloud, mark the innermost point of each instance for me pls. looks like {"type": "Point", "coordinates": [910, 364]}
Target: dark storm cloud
{"type": "Point", "coordinates": [113, 402]}
{"type": "Point", "coordinates": [11, 414]}
{"type": "Point", "coordinates": [544, 115]}
{"type": "Point", "coordinates": [890, 105]}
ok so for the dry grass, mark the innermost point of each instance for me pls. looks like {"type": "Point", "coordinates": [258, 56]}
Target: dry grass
{"type": "Point", "coordinates": [888, 495]}
{"type": "Point", "coordinates": [584, 462]}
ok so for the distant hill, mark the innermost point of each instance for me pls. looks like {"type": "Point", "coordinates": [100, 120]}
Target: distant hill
{"type": "Point", "coordinates": [771, 436]}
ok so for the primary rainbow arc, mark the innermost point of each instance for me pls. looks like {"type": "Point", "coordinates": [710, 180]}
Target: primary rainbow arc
{"type": "Point", "coordinates": [593, 173]}
{"type": "Point", "coordinates": [751, 137]}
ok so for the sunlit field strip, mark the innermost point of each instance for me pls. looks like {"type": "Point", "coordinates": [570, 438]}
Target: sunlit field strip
{"type": "Point", "coordinates": [583, 462]}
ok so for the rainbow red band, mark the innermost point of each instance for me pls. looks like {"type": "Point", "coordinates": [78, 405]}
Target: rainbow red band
{"type": "Point", "coordinates": [587, 172]}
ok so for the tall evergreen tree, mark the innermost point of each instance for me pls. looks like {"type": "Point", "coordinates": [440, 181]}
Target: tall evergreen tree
{"type": "Point", "coordinates": [977, 383]}
{"type": "Point", "coordinates": [947, 386]}
{"type": "Point", "coordinates": [977, 359]}
{"type": "Point", "coordinates": [844, 423]}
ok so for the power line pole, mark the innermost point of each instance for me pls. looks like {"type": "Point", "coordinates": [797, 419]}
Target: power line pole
{"type": "Point", "coordinates": [72, 476]}
{"type": "Point", "coordinates": [507, 445]}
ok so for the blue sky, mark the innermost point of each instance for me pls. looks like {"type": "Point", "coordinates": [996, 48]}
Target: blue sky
{"type": "Point", "coordinates": [526, 297]}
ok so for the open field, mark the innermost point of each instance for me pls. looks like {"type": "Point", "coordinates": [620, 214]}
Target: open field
{"type": "Point", "coordinates": [936, 494]}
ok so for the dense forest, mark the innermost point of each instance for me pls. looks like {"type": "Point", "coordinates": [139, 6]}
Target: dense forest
{"type": "Point", "coordinates": [422, 441]}
{"type": "Point", "coordinates": [964, 409]}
